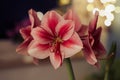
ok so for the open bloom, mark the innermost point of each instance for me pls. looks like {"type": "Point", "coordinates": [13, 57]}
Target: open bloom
{"type": "Point", "coordinates": [26, 31]}
{"type": "Point", "coordinates": [94, 37]}
{"type": "Point", "coordinates": [55, 38]}
{"type": "Point", "coordinates": [90, 36]}
{"type": "Point", "coordinates": [93, 47]}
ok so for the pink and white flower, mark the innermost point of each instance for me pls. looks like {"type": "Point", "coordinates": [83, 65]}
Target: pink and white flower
{"type": "Point", "coordinates": [90, 36]}
{"type": "Point", "coordinates": [26, 32]}
{"type": "Point", "coordinates": [55, 38]}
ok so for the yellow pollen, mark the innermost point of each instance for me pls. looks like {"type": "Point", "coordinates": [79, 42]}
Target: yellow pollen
{"type": "Point", "coordinates": [58, 40]}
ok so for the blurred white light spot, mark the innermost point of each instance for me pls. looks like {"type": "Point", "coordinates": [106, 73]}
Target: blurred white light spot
{"type": "Point", "coordinates": [110, 8]}
{"type": "Point", "coordinates": [107, 1]}
{"type": "Point", "coordinates": [90, 1]}
{"type": "Point", "coordinates": [90, 7]}
{"type": "Point", "coordinates": [104, 1]}
{"type": "Point", "coordinates": [110, 16]}
{"type": "Point", "coordinates": [102, 13]}
{"type": "Point", "coordinates": [107, 22]}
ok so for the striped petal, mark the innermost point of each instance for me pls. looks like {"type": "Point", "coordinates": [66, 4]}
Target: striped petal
{"type": "Point", "coordinates": [25, 32]}
{"type": "Point", "coordinates": [71, 15]}
{"type": "Point", "coordinates": [98, 46]}
{"type": "Point", "coordinates": [50, 21]}
{"type": "Point", "coordinates": [65, 29]}
{"type": "Point", "coordinates": [41, 35]}
{"type": "Point", "coordinates": [71, 46]}
{"type": "Point", "coordinates": [34, 18]}
{"type": "Point", "coordinates": [38, 50]}
{"type": "Point", "coordinates": [93, 23]}
{"type": "Point", "coordinates": [88, 53]}
{"type": "Point", "coordinates": [23, 47]}
{"type": "Point", "coordinates": [56, 59]}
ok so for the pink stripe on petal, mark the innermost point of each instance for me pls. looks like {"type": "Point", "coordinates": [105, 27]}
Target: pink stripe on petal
{"type": "Point", "coordinates": [31, 17]}
{"type": "Point", "coordinates": [91, 40]}
{"type": "Point", "coordinates": [56, 59]}
{"type": "Point", "coordinates": [23, 47]}
{"type": "Point", "coordinates": [25, 32]}
{"type": "Point", "coordinates": [50, 20]}
{"type": "Point", "coordinates": [38, 50]}
{"type": "Point", "coordinates": [71, 15]}
{"type": "Point", "coordinates": [35, 21]}
{"type": "Point", "coordinates": [71, 46]}
{"type": "Point", "coordinates": [65, 29]}
{"type": "Point", "coordinates": [98, 46]}
{"type": "Point", "coordinates": [88, 53]}
{"type": "Point", "coordinates": [93, 23]}
{"type": "Point", "coordinates": [41, 35]}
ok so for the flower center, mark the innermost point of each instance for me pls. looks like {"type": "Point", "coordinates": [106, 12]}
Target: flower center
{"type": "Point", "coordinates": [55, 45]}
{"type": "Point", "coordinates": [58, 40]}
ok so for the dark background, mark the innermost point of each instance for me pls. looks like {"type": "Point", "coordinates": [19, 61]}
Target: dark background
{"type": "Point", "coordinates": [13, 11]}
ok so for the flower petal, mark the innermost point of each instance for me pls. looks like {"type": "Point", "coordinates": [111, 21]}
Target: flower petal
{"type": "Point", "coordinates": [56, 59]}
{"type": "Point", "coordinates": [97, 34]}
{"type": "Point", "coordinates": [83, 31]}
{"type": "Point", "coordinates": [98, 46]}
{"type": "Point", "coordinates": [35, 21]}
{"type": "Point", "coordinates": [71, 15]}
{"type": "Point", "coordinates": [25, 32]}
{"type": "Point", "coordinates": [93, 23]}
{"type": "Point", "coordinates": [71, 46]}
{"type": "Point", "coordinates": [65, 29]}
{"type": "Point", "coordinates": [88, 53]}
{"type": "Point", "coordinates": [23, 47]}
{"type": "Point", "coordinates": [38, 50]}
{"type": "Point", "coordinates": [99, 49]}
{"type": "Point", "coordinates": [40, 15]}
{"type": "Point", "coordinates": [50, 20]}
{"type": "Point", "coordinates": [41, 35]}
{"type": "Point", "coordinates": [91, 40]}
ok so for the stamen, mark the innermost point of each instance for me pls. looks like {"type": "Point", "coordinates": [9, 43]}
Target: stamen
{"type": "Point", "coordinates": [56, 41]}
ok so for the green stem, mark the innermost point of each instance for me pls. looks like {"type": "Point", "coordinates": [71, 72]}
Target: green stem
{"type": "Point", "coordinates": [110, 61]}
{"type": "Point", "coordinates": [106, 73]}
{"type": "Point", "coordinates": [70, 69]}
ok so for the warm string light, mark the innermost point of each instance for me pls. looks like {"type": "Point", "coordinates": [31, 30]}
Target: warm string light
{"type": "Point", "coordinates": [107, 11]}
{"type": "Point", "coordinates": [90, 1]}
{"type": "Point", "coordinates": [64, 2]}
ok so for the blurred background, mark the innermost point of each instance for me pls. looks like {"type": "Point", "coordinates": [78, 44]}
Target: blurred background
{"type": "Point", "coordinates": [14, 13]}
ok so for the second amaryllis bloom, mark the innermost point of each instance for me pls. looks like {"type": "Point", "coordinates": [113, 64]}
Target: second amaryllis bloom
{"type": "Point", "coordinates": [25, 31]}
{"type": "Point", "coordinates": [93, 48]}
{"type": "Point", "coordinates": [55, 38]}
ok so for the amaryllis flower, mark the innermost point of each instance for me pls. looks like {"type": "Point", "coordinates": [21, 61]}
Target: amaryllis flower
{"type": "Point", "coordinates": [93, 47]}
{"type": "Point", "coordinates": [26, 31]}
{"type": "Point", "coordinates": [90, 36]}
{"type": "Point", "coordinates": [94, 37]}
{"type": "Point", "coordinates": [55, 38]}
